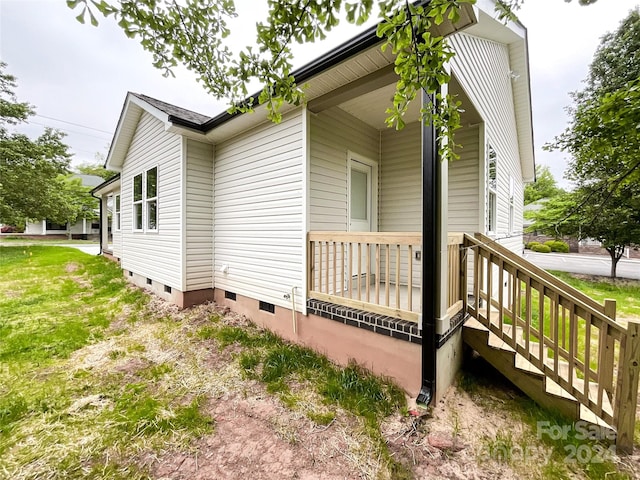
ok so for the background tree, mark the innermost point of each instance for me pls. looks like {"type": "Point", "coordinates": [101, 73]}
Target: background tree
{"type": "Point", "coordinates": [95, 168]}
{"type": "Point", "coordinates": [28, 168]}
{"type": "Point", "coordinates": [545, 186]}
{"type": "Point", "coordinates": [603, 140]}
{"type": "Point", "coordinates": [603, 137]}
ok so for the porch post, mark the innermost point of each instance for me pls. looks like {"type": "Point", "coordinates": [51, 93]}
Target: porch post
{"type": "Point", "coordinates": [430, 252]}
{"type": "Point", "coordinates": [104, 224]}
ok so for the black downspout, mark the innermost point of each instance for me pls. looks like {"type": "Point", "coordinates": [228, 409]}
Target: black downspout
{"type": "Point", "coordinates": [430, 188]}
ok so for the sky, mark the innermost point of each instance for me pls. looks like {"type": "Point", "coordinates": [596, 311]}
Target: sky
{"type": "Point", "coordinates": [77, 76]}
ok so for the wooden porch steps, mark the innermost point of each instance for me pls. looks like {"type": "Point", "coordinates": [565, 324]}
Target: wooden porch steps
{"type": "Point", "coordinates": [526, 376]}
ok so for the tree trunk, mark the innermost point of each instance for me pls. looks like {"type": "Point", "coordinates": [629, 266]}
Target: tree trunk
{"type": "Point", "coordinates": [616, 255]}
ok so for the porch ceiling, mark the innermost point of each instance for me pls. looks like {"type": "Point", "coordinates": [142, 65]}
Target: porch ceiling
{"type": "Point", "coordinates": [371, 107]}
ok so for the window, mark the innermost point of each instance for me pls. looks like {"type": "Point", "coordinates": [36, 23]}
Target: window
{"type": "Point", "coordinates": [145, 200]}
{"type": "Point", "coordinates": [116, 218]}
{"type": "Point", "coordinates": [492, 189]}
{"type": "Point", "coordinates": [137, 202]}
{"type": "Point", "coordinates": [56, 226]}
{"type": "Point", "coordinates": [151, 198]}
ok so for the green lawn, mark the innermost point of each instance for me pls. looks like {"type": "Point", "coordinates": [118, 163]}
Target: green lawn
{"type": "Point", "coordinates": [626, 293]}
{"type": "Point", "coordinates": [96, 374]}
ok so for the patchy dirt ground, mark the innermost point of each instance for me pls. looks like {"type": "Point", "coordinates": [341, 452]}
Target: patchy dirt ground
{"type": "Point", "coordinates": [256, 435]}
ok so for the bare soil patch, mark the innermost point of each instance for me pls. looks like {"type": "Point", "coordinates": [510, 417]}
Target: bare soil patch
{"type": "Point", "coordinates": [256, 434]}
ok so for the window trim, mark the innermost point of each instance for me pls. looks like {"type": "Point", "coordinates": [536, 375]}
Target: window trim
{"type": "Point", "coordinates": [144, 202]}
{"type": "Point", "coordinates": [137, 203]}
{"type": "Point", "coordinates": [117, 211]}
{"type": "Point", "coordinates": [149, 200]}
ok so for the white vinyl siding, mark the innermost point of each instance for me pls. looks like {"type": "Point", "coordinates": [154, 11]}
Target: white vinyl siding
{"type": "Point", "coordinates": [155, 255]}
{"type": "Point", "coordinates": [401, 188]}
{"type": "Point", "coordinates": [334, 133]}
{"type": "Point", "coordinates": [199, 215]}
{"type": "Point", "coordinates": [464, 205]}
{"type": "Point", "coordinates": [258, 216]}
{"type": "Point", "coordinates": [483, 70]}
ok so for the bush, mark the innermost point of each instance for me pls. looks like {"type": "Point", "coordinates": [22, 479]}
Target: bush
{"type": "Point", "coordinates": [540, 248]}
{"type": "Point", "coordinates": [557, 246]}
{"type": "Point", "coordinates": [531, 244]}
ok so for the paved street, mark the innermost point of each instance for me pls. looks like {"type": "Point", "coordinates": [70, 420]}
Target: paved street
{"type": "Point", "coordinates": [588, 264]}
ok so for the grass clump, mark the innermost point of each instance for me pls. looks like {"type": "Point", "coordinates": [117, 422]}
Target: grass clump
{"type": "Point", "coordinates": [321, 418]}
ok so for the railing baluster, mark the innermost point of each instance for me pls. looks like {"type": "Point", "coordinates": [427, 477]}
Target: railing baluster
{"type": "Point", "coordinates": [320, 266]}
{"type": "Point", "coordinates": [489, 286]}
{"type": "Point", "coordinates": [368, 274]}
{"type": "Point", "coordinates": [388, 274]}
{"type": "Point", "coordinates": [541, 335]}
{"type": "Point", "coordinates": [377, 273]}
{"type": "Point", "coordinates": [398, 276]}
{"type": "Point", "coordinates": [359, 273]}
{"type": "Point", "coordinates": [528, 317]}
{"type": "Point", "coordinates": [312, 270]}
{"type": "Point", "coordinates": [587, 354]}
{"type": "Point", "coordinates": [326, 272]}
{"type": "Point", "coordinates": [573, 344]}
{"type": "Point", "coordinates": [342, 260]}
{"type": "Point", "coordinates": [554, 325]}
{"type": "Point", "coordinates": [410, 277]}
{"type": "Point", "coordinates": [500, 300]}
{"type": "Point", "coordinates": [335, 268]}
{"type": "Point", "coordinates": [349, 269]}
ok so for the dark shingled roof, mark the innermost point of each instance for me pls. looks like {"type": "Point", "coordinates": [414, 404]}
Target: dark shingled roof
{"type": "Point", "coordinates": [183, 115]}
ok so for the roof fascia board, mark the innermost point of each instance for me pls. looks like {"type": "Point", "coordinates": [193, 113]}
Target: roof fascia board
{"type": "Point", "coordinates": [121, 138]}
{"type": "Point", "coordinates": [113, 183]}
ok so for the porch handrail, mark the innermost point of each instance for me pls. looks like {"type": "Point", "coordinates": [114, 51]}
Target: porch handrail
{"type": "Point", "coordinates": [366, 270]}
{"type": "Point", "coordinates": [574, 340]}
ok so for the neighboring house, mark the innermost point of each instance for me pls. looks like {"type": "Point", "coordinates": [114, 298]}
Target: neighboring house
{"type": "Point", "coordinates": [236, 208]}
{"type": "Point", "coordinates": [83, 228]}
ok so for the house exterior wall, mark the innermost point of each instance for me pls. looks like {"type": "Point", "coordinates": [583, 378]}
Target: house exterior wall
{"type": "Point", "coordinates": [198, 216]}
{"type": "Point", "coordinates": [483, 70]}
{"type": "Point", "coordinates": [155, 255]}
{"type": "Point", "coordinates": [37, 228]}
{"type": "Point", "coordinates": [258, 216]}
{"type": "Point", "coordinates": [465, 200]}
{"type": "Point", "coordinates": [333, 133]}
{"type": "Point", "coordinates": [400, 193]}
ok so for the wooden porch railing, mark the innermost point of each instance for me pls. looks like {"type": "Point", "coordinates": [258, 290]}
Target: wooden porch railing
{"type": "Point", "coordinates": [572, 339]}
{"type": "Point", "coordinates": [379, 272]}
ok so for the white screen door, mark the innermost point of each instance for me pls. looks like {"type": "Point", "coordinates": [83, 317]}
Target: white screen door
{"type": "Point", "coordinates": [360, 192]}
{"type": "Point", "coordinates": [362, 218]}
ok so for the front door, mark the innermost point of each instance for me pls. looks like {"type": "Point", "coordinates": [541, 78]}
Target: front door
{"type": "Point", "coordinates": [362, 216]}
{"type": "Point", "coordinates": [360, 201]}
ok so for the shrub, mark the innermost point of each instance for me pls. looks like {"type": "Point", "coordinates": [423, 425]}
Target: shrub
{"type": "Point", "coordinates": [531, 244]}
{"type": "Point", "coordinates": [557, 246]}
{"type": "Point", "coordinates": [540, 248]}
